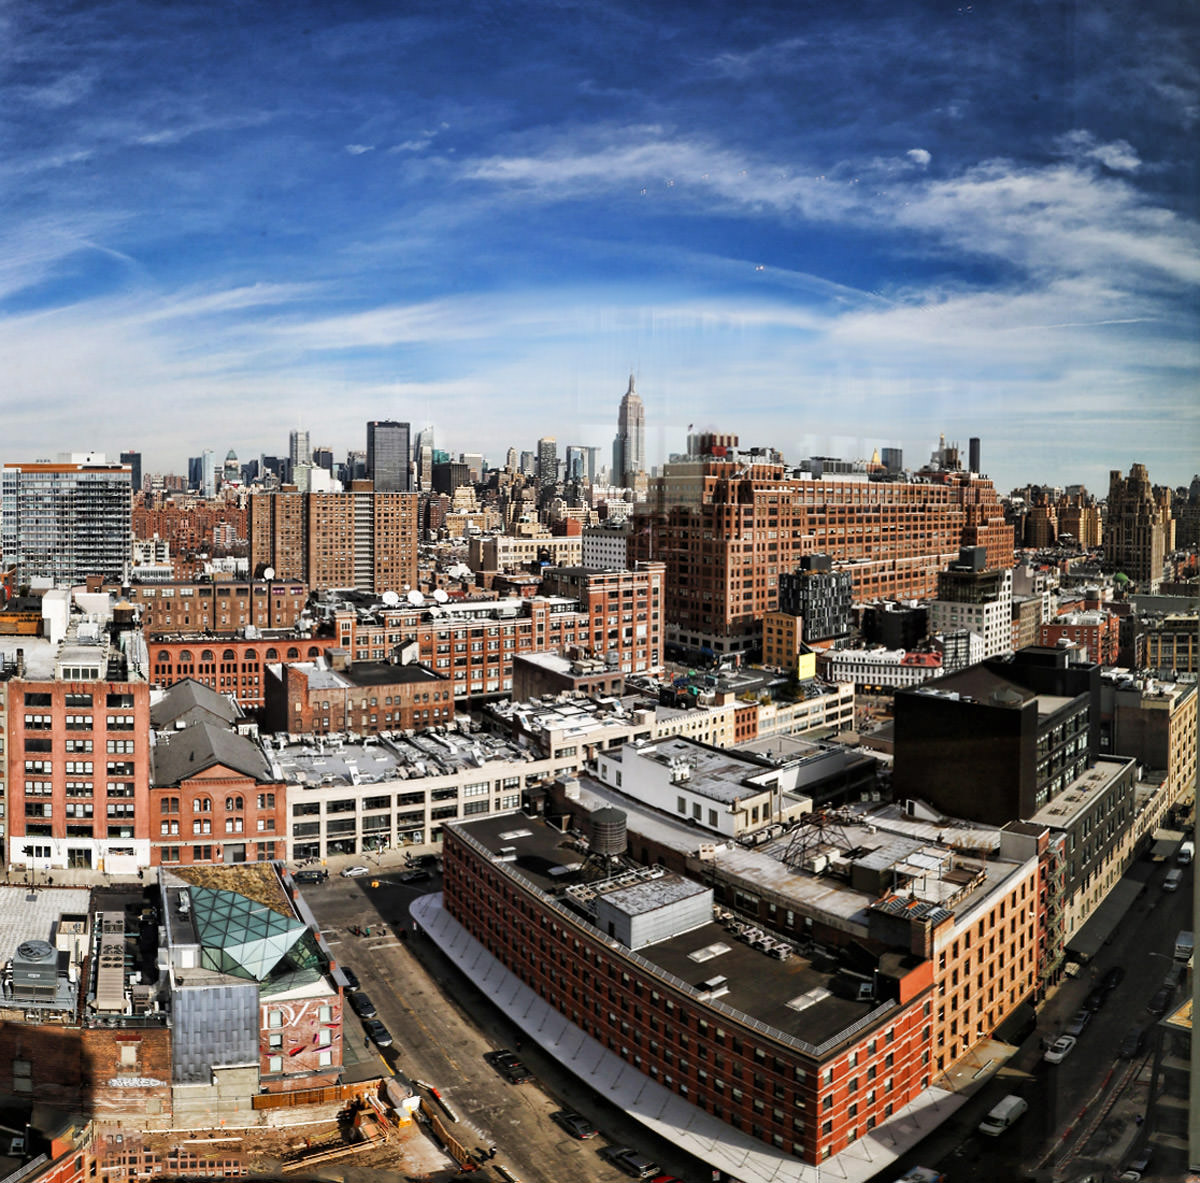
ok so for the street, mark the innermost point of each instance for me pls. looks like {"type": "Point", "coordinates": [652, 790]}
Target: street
{"type": "Point", "coordinates": [1082, 1111]}
{"type": "Point", "coordinates": [442, 1028]}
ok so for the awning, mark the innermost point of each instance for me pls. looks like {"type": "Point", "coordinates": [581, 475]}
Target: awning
{"type": "Point", "coordinates": [1089, 940]}
{"type": "Point", "coordinates": [1165, 844]}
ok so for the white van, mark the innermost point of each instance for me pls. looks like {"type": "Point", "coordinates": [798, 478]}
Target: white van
{"type": "Point", "coordinates": [1185, 853]}
{"type": "Point", "coordinates": [1003, 1114]}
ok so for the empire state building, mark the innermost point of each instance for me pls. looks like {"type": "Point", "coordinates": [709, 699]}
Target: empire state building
{"type": "Point", "coordinates": [629, 447]}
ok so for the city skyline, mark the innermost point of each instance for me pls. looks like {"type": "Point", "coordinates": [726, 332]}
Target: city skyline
{"type": "Point", "coordinates": [826, 232]}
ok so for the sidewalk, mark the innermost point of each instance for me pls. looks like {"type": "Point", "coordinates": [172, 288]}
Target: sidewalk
{"type": "Point", "coordinates": [60, 877]}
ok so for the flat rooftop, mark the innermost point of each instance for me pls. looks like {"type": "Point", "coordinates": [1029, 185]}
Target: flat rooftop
{"type": "Point", "coordinates": [1061, 809]}
{"type": "Point", "coordinates": [322, 676]}
{"type": "Point", "coordinates": [879, 833]}
{"type": "Point", "coordinates": [36, 913]}
{"type": "Point", "coordinates": [716, 773]}
{"type": "Point", "coordinates": [392, 756]}
{"type": "Point", "coordinates": [799, 996]}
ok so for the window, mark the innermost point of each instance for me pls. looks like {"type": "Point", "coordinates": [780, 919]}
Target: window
{"type": "Point", "coordinates": [274, 1018]}
{"type": "Point", "coordinates": [275, 1064]}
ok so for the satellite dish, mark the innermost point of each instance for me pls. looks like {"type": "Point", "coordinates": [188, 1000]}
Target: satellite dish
{"type": "Point", "coordinates": [440, 595]}
{"type": "Point", "coordinates": [269, 573]}
{"type": "Point", "coordinates": [415, 598]}
{"type": "Point", "coordinates": [391, 598]}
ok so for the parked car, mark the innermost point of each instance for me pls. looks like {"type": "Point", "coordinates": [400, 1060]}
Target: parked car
{"type": "Point", "coordinates": [1077, 1024]}
{"type": "Point", "coordinates": [363, 1006]}
{"type": "Point", "coordinates": [575, 1124]}
{"type": "Point", "coordinates": [626, 1159]}
{"type": "Point", "coordinates": [378, 1033]}
{"type": "Point", "coordinates": [311, 876]}
{"type": "Point", "coordinates": [1060, 1049]}
{"type": "Point", "coordinates": [1112, 979]}
{"type": "Point", "coordinates": [1134, 1172]}
{"type": "Point", "coordinates": [509, 1066]}
{"type": "Point", "coordinates": [352, 982]}
{"type": "Point", "coordinates": [1172, 879]}
{"type": "Point", "coordinates": [355, 872]}
{"type": "Point", "coordinates": [1132, 1043]}
{"type": "Point", "coordinates": [1161, 1000]}
{"type": "Point", "coordinates": [1095, 1000]}
{"type": "Point", "coordinates": [415, 877]}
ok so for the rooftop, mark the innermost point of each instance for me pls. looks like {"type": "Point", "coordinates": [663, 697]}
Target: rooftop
{"type": "Point", "coordinates": [1062, 808]}
{"type": "Point", "coordinates": [329, 760]}
{"type": "Point", "coordinates": [322, 676]}
{"type": "Point", "coordinates": [804, 997]}
{"type": "Point", "coordinates": [715, 773]}
{"type": "Point", "coordinates": [36, 913]}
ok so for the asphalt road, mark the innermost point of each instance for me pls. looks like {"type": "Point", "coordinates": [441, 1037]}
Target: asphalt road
{"type": "Point", "coordinates": [1065, 1100]}
{"type": "Point", "coordinates": [442, 1027]}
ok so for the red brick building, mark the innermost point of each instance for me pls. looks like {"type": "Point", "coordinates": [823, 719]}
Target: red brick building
{"type": "Point", "coordinates": [616, 614]}
{"type": "Point", "coordinates": [214, 800]}
{"type": "Point", "coordinates": [726, 529]}
{"type": "Point", "coordinates": [220, 607]}
{"type": "Point", "coordinates": [809, 1081]}
{"type": "Point", "coordinates": [319, 697]}
{"type": "Point", "coordinates": [77, 754]}
{"type": "Point", "coordinates": [1099, 632]}
{"type": "Point", "coordinates": [188, 524]}
{"type": "Point", "coordinates": [360, 539]}
{"type": "Point", "coordinates": [230, 665]}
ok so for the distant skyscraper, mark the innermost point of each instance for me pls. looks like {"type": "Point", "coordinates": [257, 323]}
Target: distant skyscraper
{"type": "Point", "coordinates": [893, 460]}
{"type": "Point", "coordinates": [208, 473]}
{"type": "Point", "coordinates": [510, 460]}
{"type": "Point", "coordinates": [576, 463]}
{"type": "Point", "coordinates": [629, 447]}
{"type": "Point", "coordinates": [474, 463]}
{"type": "Point", "coordinates": [528, 464]}
{"type": "Point", "coordinates": [547, 461]}
{"type": "Point", "coordinates": [591, 464]}
{"type": "Point", "coordinates": [1137, 527]}
{"type": "Point", "coordinates": [323, 458]}
{"type": "Point", "coordinates": [134, 460]}
{"type": "Point", "coordinates": [299, 450]}
{"type": "Point", "coordinates": [66, 520]}
{"type": "Point", "coordinates": [388, 456]}
{"type": "Point", "coordinates": [423, 449]}
{"type": "Point", "coordinates": [973, 453]}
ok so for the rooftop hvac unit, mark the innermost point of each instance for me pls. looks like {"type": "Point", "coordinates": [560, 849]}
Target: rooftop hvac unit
{"type": "Point", "coordinates": [35, 972]}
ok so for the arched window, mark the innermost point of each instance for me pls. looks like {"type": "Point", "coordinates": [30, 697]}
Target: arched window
{"type": "Point", "coordinates": [233, 803]}
{"type": "Point", "coordinates": [293, 651]}
{"type": "Point", "coordinates": [185, 655]}
{"type": "Point", "coordinates": [202, 805]}
{"type": "Point", "coordinates": [250, 655]}
{"type": "Point", "coordinates": [272, 654]}
{"type": "Point", "coordinates": [206, 655]}
{"type": "Point", "coordinates": [229, 655]}
{"type": "Point", "coordinates": [164, 657]}
{"type": "Point", "coordinates": [314, 651]}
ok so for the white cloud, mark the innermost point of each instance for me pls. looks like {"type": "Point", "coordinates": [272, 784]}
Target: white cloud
{"type": "Point", "coordinates": [1117, 155]}
{"type": "Point", "coordinates": [359, 149]}
{"type": "Point", "coordinates": [919, 156]}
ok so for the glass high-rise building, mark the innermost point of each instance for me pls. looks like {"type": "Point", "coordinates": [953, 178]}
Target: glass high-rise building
{"type": "Point", "coordinates": [67, 520]}
{"type": "Point", "coordinates": [388, 456]}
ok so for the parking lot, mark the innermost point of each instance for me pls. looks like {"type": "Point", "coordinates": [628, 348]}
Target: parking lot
{"type": "Point", "coordinates": [442, 1030]}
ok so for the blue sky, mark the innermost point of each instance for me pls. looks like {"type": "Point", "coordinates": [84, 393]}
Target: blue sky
{"type": "Point", "coordinates": [826, 227]}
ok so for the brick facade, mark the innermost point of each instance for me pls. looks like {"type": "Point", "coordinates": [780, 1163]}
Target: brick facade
{"type": "Point", "coordinates": [229, 665]}
{"type": "Point", "coordinates": [811, 1104]}
{"type": "Point", "coordinates": [217, 816]}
